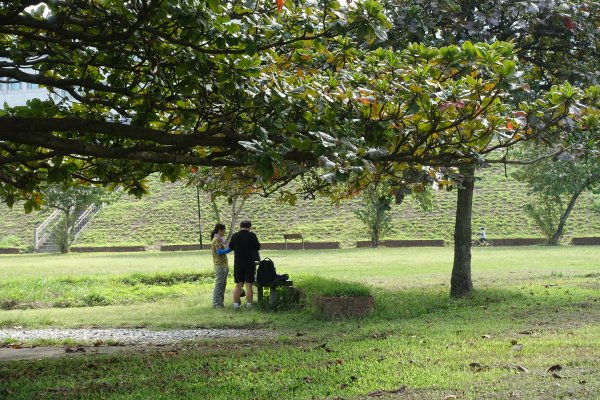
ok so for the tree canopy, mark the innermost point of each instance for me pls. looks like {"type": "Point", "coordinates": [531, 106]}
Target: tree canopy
{"type": "Point", "coordinates": [559, 39]}
{"type": "Point", "coordinates": [156, 86]}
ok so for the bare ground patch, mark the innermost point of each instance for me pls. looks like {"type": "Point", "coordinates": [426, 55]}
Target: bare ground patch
{"type": "Point", "coordinates": [561, 318]}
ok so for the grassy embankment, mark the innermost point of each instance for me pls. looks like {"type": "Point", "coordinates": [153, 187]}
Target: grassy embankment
{"type": "Point", "coordinates": [543, 299]}
{"type": "Point", "coordinates": [168, 215]}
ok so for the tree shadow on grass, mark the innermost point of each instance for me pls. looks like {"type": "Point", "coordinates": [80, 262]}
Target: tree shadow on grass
{"type": "Point", "coordinates": [411, 302]}
{"type": "Point", "coordinates": [539, 308]}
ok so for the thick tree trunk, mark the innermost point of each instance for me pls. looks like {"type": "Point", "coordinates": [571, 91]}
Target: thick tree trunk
{"type": "Point", "coordinates": [563, 220]}
{"type": "Point", "coordinates": [461, 284]}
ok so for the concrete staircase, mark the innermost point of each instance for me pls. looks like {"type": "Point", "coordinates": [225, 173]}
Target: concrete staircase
{"type": "Point", "coordinates": [44, 239]}
{"type": "Point", "coordinates": [49, 246]}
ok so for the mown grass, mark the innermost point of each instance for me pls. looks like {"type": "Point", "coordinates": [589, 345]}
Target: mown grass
{"type": "Point", "coordinates": [546, 300]}
{"type": "Point", "coordinates": [97, 291]}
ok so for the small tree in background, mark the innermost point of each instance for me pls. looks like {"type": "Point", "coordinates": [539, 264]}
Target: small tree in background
{"type": "Point", "coordinates": [545, 211]}
{"type": "Point", "coordinates": [71, 200]}
{"type": "Point", "coordinates": [218, 183]}
{"type": "Point", "coordinates": [236, 201]}
{"type": "Point", "coordinates": [375, 212]}
{"type": "Point", "coordinates": [555, 186]}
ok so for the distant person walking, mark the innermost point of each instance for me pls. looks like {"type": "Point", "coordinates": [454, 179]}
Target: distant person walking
{"type": "Point", "coordinates": [219, 252]}
{"type": "Point", "coordinates": [246, 246]}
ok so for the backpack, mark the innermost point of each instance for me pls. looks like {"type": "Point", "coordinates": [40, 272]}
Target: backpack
{"type": "Point", "coordinates": [266, 272]}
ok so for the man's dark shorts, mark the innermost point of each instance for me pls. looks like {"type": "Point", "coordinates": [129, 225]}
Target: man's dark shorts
{"type": "Point", "coordinates": [244, 274]}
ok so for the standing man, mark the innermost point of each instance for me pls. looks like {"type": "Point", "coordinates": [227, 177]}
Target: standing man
{"type": "Point", "coordinates": [245, 245]}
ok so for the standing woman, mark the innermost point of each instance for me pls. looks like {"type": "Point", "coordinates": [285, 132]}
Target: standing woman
{"type": "Point", "coordinates": [219, 252]}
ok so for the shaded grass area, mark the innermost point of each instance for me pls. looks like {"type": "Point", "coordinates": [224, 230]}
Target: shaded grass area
{"type": "Point", "coordinates": [532, 308]}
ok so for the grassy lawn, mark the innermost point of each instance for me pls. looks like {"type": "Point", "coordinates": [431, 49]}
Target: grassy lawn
{"type": "Point", "coordinates": [533, 308]}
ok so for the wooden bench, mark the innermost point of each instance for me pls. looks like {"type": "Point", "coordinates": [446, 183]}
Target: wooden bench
{"type": "Point", "coordinates": [272, 290]}
{"type": "Point", "coordinates": [293, 236]}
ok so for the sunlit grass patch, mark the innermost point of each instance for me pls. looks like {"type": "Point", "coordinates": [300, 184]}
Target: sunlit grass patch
{"type": "Point", "coordinates": [29, 292]}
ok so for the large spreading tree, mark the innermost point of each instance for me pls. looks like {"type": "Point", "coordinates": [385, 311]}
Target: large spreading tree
{"type": "Point", "coordinates": [283, 89]}
{"type": "Point", "coordinates": [150, 86]}
{"type": "Point", "coordinates": [555, 42]}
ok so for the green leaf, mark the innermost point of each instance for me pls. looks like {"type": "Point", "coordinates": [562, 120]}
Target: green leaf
{"type": "Point", "coordinates": [251, 48]}
{"type": "Point", "coordinates": [264, 167]}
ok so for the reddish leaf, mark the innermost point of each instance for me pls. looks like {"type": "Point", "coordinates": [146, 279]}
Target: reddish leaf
{"type": "Point", "coordinates": [443, 106]}
{"type": "Point", "coordinates": [280, 4]}
{"type": "Point", "coordinates": [569, 24]}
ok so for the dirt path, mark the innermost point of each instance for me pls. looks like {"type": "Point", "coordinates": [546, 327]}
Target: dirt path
{"type": "Point", "coordinates": [38, 353]}
{"type": "Point", "coordinates": [120, 340]}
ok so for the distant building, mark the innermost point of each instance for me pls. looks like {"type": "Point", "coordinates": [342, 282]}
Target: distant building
{"type": "Point", "coordinates": [18, 93]}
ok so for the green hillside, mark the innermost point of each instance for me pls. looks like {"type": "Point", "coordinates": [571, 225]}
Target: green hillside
{"type": "Point", "coordinates": [16, 227]}
{"type": "Point", "coordinates": [169, 215]}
